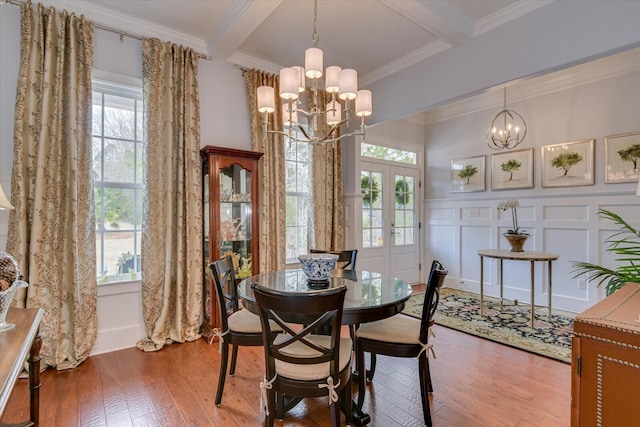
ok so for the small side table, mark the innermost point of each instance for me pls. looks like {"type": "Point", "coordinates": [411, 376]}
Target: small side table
{"type": "Point", "coordinates": [501, 255]}
{"type": "Point", "coordinates": [16, 345]}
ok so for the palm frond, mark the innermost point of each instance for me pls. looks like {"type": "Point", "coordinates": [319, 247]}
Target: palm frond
{"type": "Point", "coordinates": [625, 243]}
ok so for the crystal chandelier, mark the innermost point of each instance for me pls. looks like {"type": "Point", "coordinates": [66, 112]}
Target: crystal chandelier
{"type": "Point", "coordinates": [341, 85]}
{"type": "Point", "coordinates": [507, 129]}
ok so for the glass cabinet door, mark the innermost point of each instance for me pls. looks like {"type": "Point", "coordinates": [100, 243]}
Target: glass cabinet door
{"type": "Point", "coordinates": [235, 234]}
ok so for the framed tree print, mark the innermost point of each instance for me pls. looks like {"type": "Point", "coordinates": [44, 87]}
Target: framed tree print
{"type": "Point", "coordinates": [622, 157]}
{"type": "Point", "coordinates": [467, 174]}
{"type": "Point", "coordinates": [568, 164]}
{"type": "Point", "coordinates": [512, 169]}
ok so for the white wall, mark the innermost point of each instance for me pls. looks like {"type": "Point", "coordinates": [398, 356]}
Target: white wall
{"type": "Point", "coordinates": [561, 219]}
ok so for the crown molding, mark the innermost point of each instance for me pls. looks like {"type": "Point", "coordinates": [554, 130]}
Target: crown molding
{"type": "Point", "coordinates": [404, 62]}
{"type": "Point", "coordinates": [508, 13]}
{"type": "Point", "coordinates": [248, 61]}
{"type": "Point", "coordinates": [126, 23]}
{"type": "Point", "coordinates": [600, 69]}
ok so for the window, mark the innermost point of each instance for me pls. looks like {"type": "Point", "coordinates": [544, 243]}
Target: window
{"type": "Point", "coordinates": [386, 153]}
{"type": "Point", "coordinates": [297, 161]}
{"type": "Point", "coordinates": [117, 132]}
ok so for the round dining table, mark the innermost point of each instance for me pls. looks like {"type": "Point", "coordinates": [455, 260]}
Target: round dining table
{"type": "Point", "coordinates": [370, 296]}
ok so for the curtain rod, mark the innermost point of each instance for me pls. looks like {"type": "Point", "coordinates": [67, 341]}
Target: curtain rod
{"type": "Point", "coordinates": [111, 29]}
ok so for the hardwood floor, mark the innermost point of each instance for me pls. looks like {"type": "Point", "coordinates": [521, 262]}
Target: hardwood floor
{"type": "Point", "coordinates": [476, 382]}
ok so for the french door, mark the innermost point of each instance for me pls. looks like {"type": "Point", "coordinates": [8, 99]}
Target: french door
{"type": "Point", "coordinates": [390, 220]}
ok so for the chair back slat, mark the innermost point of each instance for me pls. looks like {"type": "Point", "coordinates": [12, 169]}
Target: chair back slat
{"type": "Point", "coordinates": [315, 310]}
{"type": "Point", "coordinates": [223, 277]}
{"type": "Point", "coordinates": [431, 298]}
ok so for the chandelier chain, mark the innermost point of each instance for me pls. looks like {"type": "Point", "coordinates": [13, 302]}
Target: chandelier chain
{"type": "Point", "coordinates": [316, 38]}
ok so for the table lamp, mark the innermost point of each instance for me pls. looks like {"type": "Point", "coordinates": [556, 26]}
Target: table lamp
{"type": "Point", "coordinates": [4, 201]}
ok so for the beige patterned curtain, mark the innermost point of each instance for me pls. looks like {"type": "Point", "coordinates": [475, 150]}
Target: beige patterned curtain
{"type": "Point", "coordinates": [326, 212]}
{"type": "Point", "coordinates": [273, 227]}
{"type": "Point", "coordinates": [52, 229]}
{"type": "Point", "coordinates": [172, 211]}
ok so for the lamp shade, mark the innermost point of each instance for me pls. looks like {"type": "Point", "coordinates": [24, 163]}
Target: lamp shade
{"type": "Point", "coordinates": [332, 79]}
{"type": "Point", "coordinates": [313, 62]}
{"type": "Point", "coordinates": [302, 83]}
{"type": "Point", "coordinates": [4, 201]}
{"type": "Point", "coordinates": [348, 83]}
{"type": "Point", "coordinates": [266, 101]}
{"type": "Point", "coordinates": [363, 103]}
{"type": "Point", "coordinates": [289, 82]}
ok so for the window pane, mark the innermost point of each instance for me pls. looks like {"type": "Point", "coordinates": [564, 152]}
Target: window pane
{"type": "Point", "coordinates": [97, 159]}
{"type": "Point", "coordinates": [376, 237]}
{"type": "Point", "coordinates": [376, 218]}
{"type": "Point", "coordinates": [119, 117]}
{"type": "Point", "coordinates": [366, 238]}
{"type": "Point", "coordinates": [119, 160]}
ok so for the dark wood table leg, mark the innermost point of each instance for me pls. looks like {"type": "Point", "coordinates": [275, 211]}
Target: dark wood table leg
{"type": "Point", "coordinates": [34, 381]}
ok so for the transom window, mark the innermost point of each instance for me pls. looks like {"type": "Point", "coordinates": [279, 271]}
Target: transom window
{"type": "Point", "coordinates": [386, 153]}
{"type": "Point", "coordinates": [117, 133]}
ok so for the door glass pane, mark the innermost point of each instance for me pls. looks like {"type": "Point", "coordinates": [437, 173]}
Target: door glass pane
{"type": "Point", "coordinates": [404, 211]}
{"type": "Point", "coordinates": [372, 214]}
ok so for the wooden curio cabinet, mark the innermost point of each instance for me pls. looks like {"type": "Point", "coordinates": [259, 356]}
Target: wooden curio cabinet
{"type": "Point", "coordinates": [230, 203]}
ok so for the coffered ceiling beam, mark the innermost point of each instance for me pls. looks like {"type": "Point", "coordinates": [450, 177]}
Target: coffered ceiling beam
{"type": "Point", "coordinates": [238, 23]}
{"type": "Point", "coordinates": [439, 18]}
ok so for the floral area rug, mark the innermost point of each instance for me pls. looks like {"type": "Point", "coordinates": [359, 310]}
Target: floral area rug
{"type": "Point", "coordinates": [507, 324]}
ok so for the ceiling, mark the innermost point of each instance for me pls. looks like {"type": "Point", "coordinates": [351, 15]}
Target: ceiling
{"type": "Point", "coordinates": [374, 37]}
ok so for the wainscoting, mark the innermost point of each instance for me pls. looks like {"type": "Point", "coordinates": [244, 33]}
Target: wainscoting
{"type": "Point", "coordinates": [562, 224]}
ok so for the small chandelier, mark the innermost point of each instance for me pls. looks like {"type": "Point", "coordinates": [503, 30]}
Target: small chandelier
{"type": "Point", "coordinates": [507, 129]}
{"type": "Point", "coordinates": [341, 84]}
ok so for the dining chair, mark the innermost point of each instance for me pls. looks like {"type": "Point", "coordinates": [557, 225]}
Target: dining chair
{"type": "Point", "coordinates": [435, 265]}
{"type": "Point", "coordinates": [346, 258]}
{"type": "Point", "coordinates": [402, 336]}
{"type": "Point", "coordinates": [298, 362]}
{"type": "Point", "coordinates": [238, 326]}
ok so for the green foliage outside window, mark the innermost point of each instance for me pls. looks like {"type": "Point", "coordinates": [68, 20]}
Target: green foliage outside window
{"type": "Point", "coordinates": [370, 190]}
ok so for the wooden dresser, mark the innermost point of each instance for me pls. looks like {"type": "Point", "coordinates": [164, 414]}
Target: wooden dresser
{"type": "Point", "coordinates": [606, 361]}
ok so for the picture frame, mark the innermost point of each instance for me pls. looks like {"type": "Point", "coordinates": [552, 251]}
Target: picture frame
{"type": "Point", "coordinates": [568, 164]}
{"type": "Point", "coordinates": [512, 170]}
{"type": "Point", "coordinates": [468, 174]}
{"type": "Point", "coordinates": [622, 167]}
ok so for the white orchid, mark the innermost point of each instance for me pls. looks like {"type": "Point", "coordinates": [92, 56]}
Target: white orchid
{"type": "Point", "coordinates": [512, 204]}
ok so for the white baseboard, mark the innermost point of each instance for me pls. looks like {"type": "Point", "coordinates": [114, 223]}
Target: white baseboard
{"type": "Point", "coordinates": [116, 339]}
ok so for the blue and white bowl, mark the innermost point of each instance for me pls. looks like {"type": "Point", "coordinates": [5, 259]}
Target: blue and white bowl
{"type": "Point", "coordinates": [318, 267]}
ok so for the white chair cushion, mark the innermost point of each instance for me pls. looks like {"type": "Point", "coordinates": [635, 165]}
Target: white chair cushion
{"type": "Point", "coordinates": [316, 371]}
{"type": "Point", "coordinates": [401, 329]}
{"type": "Point", "coordinates": [245, 321]}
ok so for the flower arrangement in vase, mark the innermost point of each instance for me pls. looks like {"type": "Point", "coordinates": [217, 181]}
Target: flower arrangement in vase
{"type": "Point", "coordinates": [514, 235]}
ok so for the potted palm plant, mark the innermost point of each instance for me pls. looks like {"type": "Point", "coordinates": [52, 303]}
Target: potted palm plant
{"type": "Point", "coordinates": [625, 244]}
